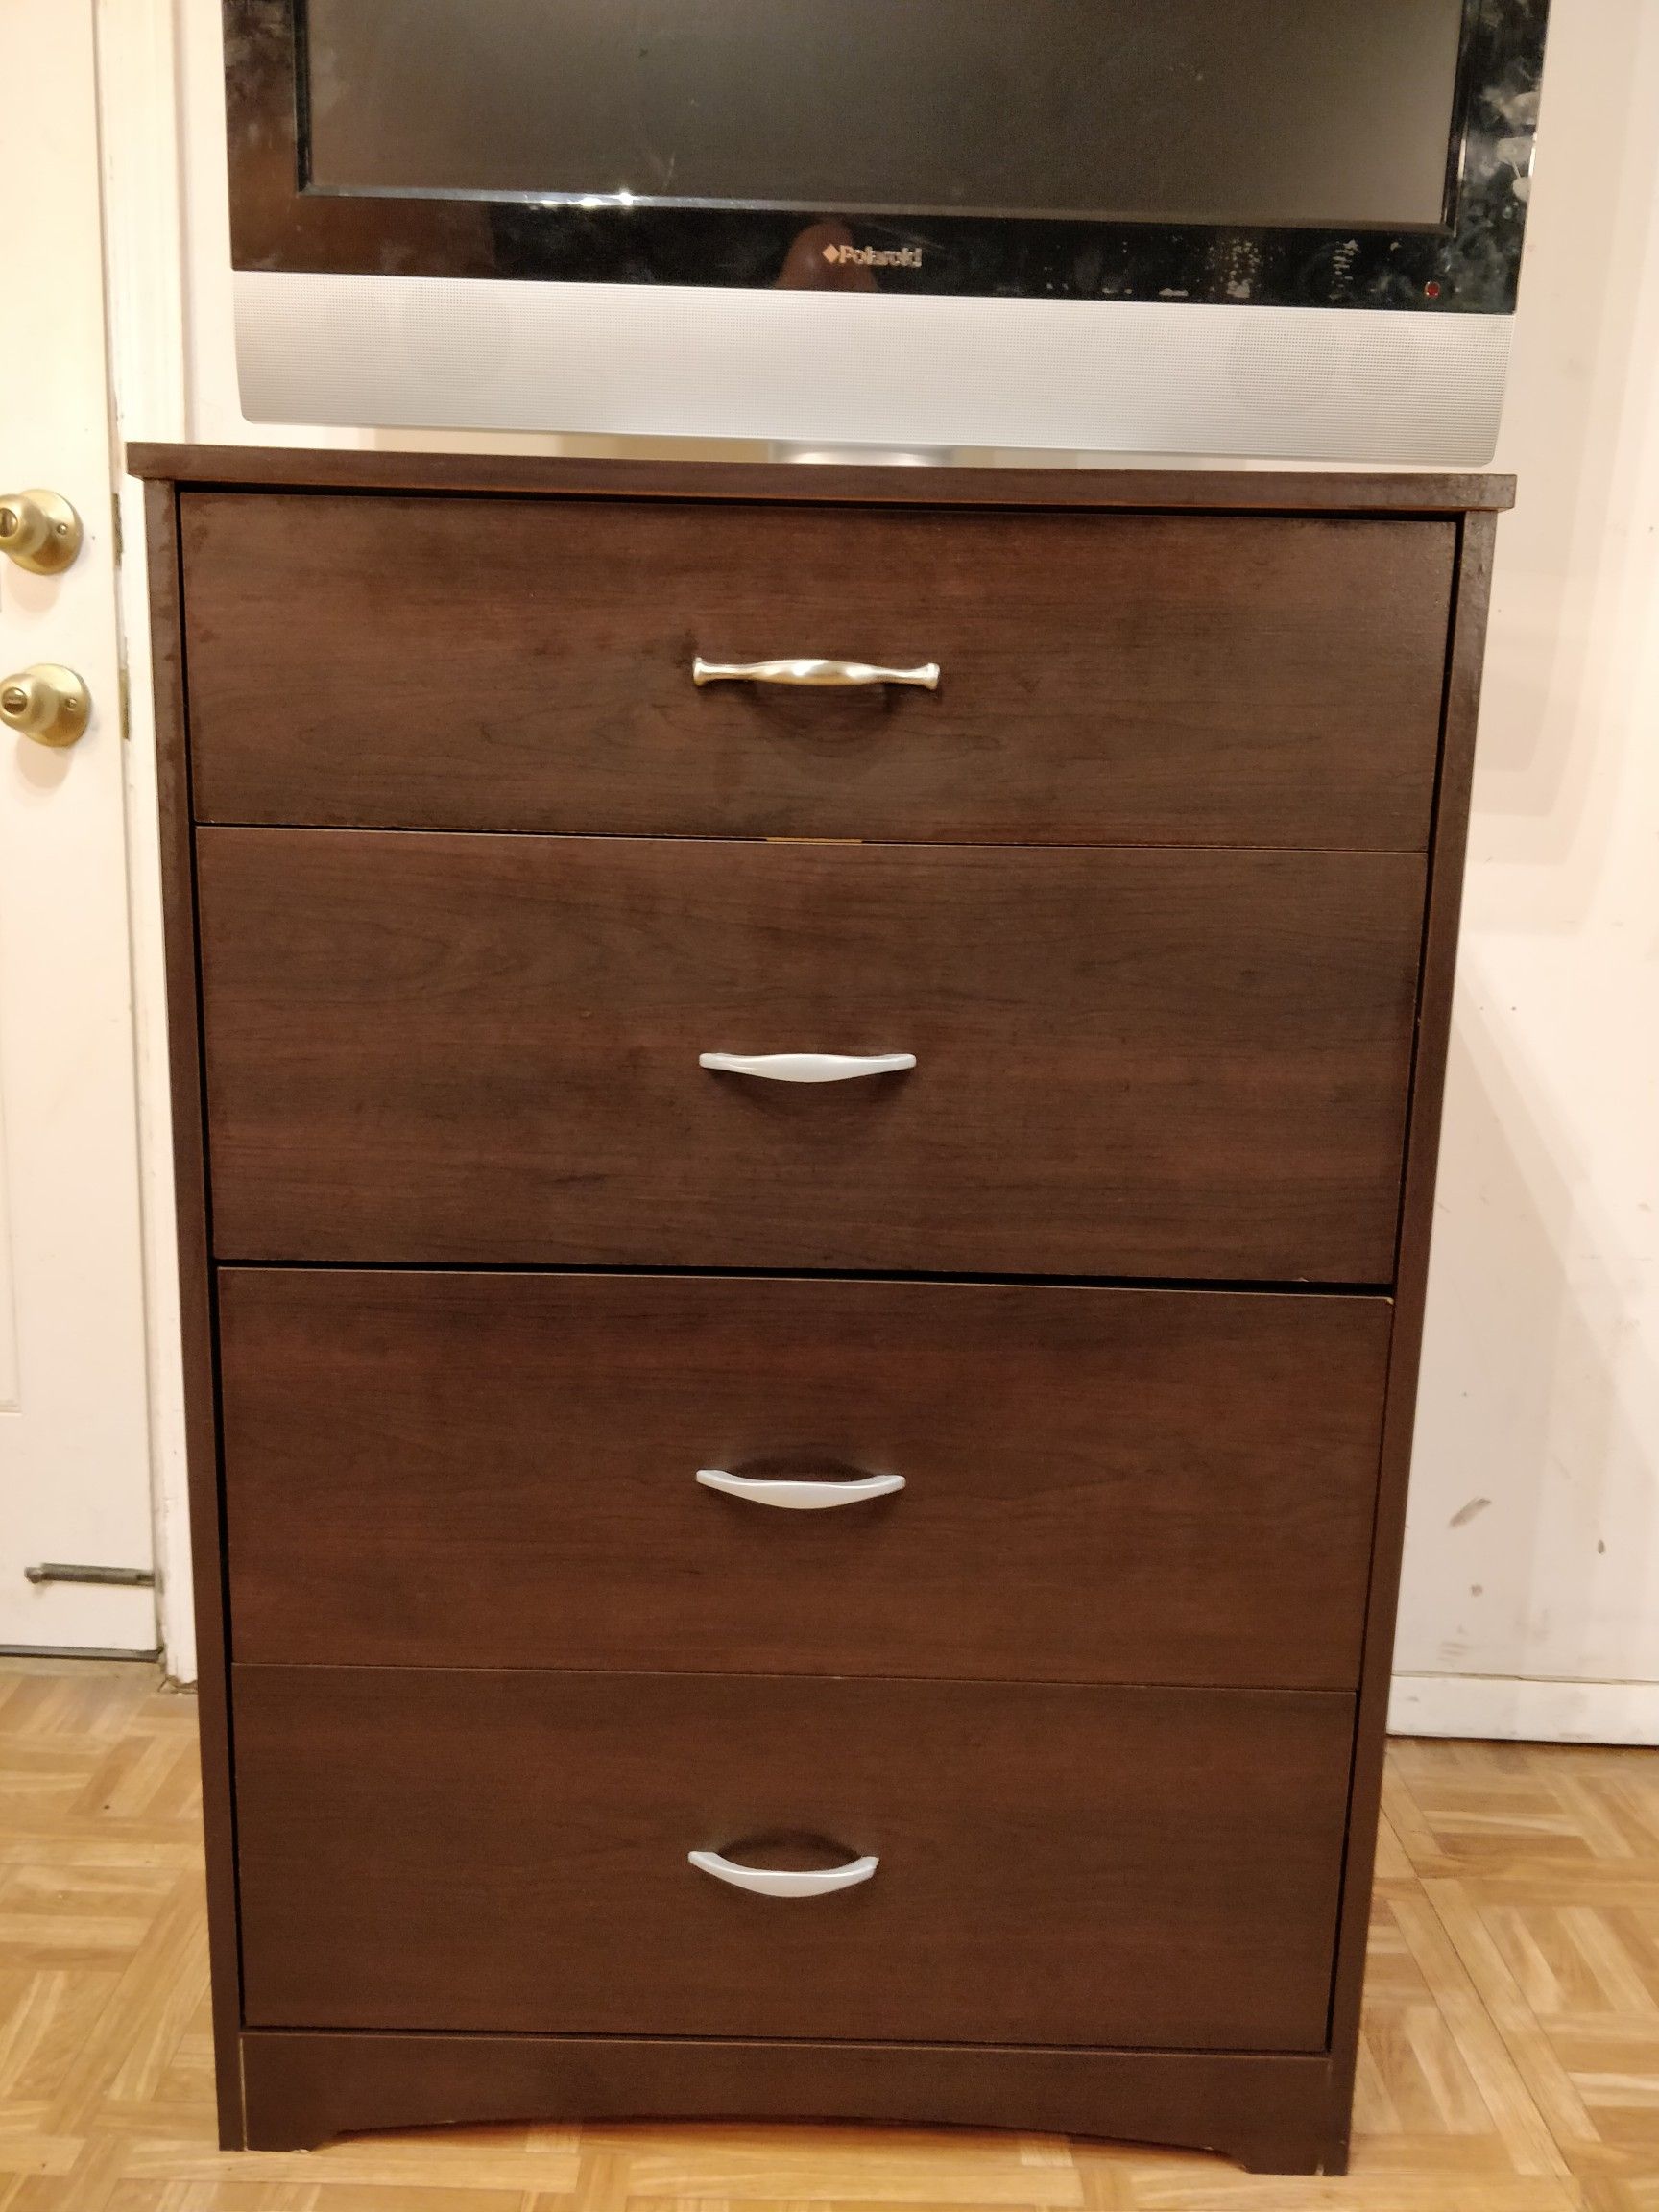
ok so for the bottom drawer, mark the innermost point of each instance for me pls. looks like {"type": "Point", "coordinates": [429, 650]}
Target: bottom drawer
{"type": "Point", "coordinates": [480, 1850]}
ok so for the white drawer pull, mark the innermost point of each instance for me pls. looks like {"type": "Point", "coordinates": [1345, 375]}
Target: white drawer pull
{"type": "Point", "coordinates": [784, 1881]}
{"type": "Point", "coordinates": [796, 1497]}
{"type": "Point", "coordinates": [807, 1066]}
{"type": "Point", "coordinates": [829, 675]}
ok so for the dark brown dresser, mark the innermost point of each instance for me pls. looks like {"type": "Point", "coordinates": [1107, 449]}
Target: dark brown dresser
{"type": "Point", "coordinates": [802, 1276]}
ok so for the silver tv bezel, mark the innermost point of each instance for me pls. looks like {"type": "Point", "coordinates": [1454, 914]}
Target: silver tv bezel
{"type": "Point", "coordinates": [610, 318]}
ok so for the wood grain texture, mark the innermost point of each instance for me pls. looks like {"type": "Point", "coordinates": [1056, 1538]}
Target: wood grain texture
{"type": "Point", "coordinates": [195, 1287]}
{"type": "Point", "coordinates": [1219, 1074]}
{"type": "Point", "coordinates": [1267, 2114]}
{"type": "Point", "coordinates": [526, 665]}
{"type": "Point", "coordinates": [482, 1049]}
{"type": "Point", "coordinates": [1207, 491]}
{"type": "Point", "coordinates": [1508, 2047]}
{"type": "Point", "coordinates": [497, 1470]}
{"type": "Point", "coordinates": [1416, 1227]}
{"type": "Point", "coordinates": [427, 1849]}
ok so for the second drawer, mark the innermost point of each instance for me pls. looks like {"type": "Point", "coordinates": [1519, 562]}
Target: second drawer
{"type": "Point", "coordinates": [486, 1051]}
{"type": "Point", "coordinates": [501, 1471]}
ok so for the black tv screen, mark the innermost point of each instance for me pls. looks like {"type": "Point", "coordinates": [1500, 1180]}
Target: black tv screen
{"type": "Point", "coordinates": [1283, 114]}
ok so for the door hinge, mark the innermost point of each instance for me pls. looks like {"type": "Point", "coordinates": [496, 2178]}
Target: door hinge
{"type": "Point", "coordinates": [117, 1578]}
{"type": "Point", "coordinates": [120, 541]}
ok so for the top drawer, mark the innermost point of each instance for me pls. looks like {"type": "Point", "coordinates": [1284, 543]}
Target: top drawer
{"type": "Point", "coordinates": [526, 664]}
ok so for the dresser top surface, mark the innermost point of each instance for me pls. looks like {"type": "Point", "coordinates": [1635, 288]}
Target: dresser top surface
{"type": "Point", "coordinates": [1205, 491]}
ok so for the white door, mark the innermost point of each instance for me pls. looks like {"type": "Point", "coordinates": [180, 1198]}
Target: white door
{"type": "Point", "coordinates": [73, 1441]}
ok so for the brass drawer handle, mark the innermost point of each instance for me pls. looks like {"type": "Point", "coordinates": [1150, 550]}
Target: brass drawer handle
{"type": "Point", "coordinates": [784, 1881]}
{"type": "Point", "coordinates": [829, 675]}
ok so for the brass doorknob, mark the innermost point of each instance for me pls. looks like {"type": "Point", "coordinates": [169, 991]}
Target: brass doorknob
{"type": "Point", "coordinates": [39, 530]}
{"type": "Point", "coordinates": [47, 703]}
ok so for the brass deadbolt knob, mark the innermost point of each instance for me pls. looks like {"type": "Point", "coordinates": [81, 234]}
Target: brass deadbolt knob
{"type": "Point", "coordinates": [39, 530]}
{"type": "Point", "coordinates": [46, 703]}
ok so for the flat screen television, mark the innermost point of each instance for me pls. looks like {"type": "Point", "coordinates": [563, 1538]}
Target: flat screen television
{"type": "Point", "coordinates": [1276, 227]}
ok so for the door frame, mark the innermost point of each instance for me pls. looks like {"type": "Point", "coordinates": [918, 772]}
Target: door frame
{"type": "Point", "coordinates": [138, 61]}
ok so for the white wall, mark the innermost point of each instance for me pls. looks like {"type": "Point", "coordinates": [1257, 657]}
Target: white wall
{"type": "Point", "coordinates": [1531, 1594]}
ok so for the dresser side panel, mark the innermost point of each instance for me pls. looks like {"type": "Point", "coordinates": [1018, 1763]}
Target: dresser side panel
{"type": "Point", "coordinates": [195, 1293]}
{"type": "Point", "coordinates": [1465, 652]}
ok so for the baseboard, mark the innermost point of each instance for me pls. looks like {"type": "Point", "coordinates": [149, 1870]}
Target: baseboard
{"type": "Point", "coordinates": [1524, 1711]}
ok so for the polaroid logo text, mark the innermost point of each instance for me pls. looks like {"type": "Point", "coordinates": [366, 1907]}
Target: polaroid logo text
{"type": "Point", "coordinates": [874, 256]}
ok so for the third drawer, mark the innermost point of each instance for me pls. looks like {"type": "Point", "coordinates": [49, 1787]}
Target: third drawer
{"type": "Point", "coordinates": [502, 1470]}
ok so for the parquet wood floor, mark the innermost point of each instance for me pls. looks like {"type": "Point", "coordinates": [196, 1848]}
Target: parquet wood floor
{"type": "Point", "coordinates": [1510, 2060]}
